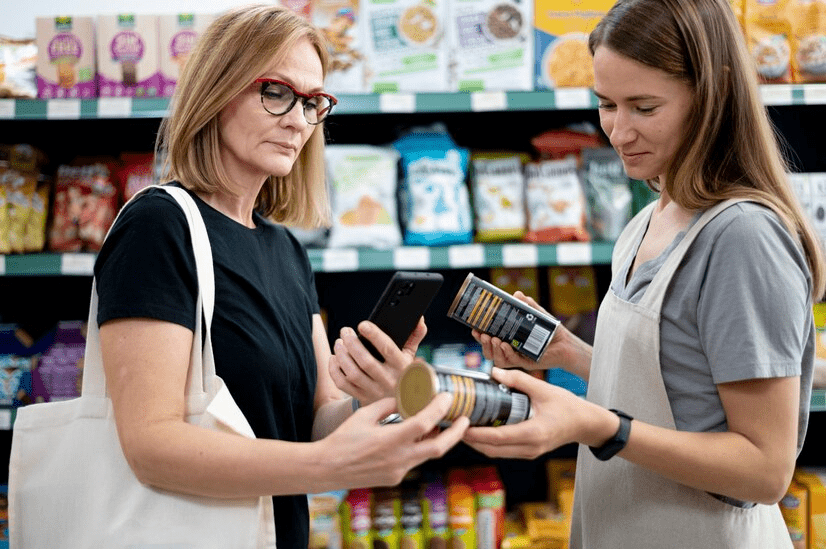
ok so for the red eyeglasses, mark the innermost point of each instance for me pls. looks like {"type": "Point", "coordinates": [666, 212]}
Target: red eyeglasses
{"type": "Point", "coordinates": [279, 98]}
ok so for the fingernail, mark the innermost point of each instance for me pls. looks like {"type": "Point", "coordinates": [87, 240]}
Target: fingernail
{"type": "Point", "coordinates": [365, 327]}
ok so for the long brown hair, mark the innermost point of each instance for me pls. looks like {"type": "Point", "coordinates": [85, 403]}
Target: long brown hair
{"type": "Point", "coordinates": [233, 51]}
{"type": "Point", "coordinates": [730, 149]}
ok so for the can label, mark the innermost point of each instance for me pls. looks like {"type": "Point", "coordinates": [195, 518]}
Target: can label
{"type": "Point", "coordinates": [492, 311]}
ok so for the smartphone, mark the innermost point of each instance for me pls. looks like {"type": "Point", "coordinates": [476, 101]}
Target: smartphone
{"type": "Point", "coordinates": [404, 300]}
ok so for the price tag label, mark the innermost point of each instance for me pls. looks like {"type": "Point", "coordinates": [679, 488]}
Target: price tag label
{"type": "Point", "coordinates": [397, 102]}
{"type": "Point", "coordinates": [7, 108]}
{"type": "Point", "coordinates": [5, 419]}
{"type": "Point", "coordinates": [573, 253]}
{"type": "Point", "coordinates": [572, 98]}
{"type": "Point", "coordinates": [2, 265]}
{"type": "Point", "coordinates": [520, 255]}
{"type": "Point", "coordinates": [114, 107]}
{"type": "Point", "coordinates": [776, 94]}
{"type": "Point", "coordinates": [815, 94]}
{"type": "Point", "coordinates": [488, 101]}
{"type": "Point", "coordinates": [344, 259]}
{"type": "Point", "coordinates": [471, 255]}
{"type": "Point", "coordinates": [411, 258]}
{"type": "Point", "coordinates": [62, 108]}
{"type": "Point", "coordinates": [77, 264]}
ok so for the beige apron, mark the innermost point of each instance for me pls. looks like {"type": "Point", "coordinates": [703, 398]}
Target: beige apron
{"type": "Point", "coordinates": [618, 504]}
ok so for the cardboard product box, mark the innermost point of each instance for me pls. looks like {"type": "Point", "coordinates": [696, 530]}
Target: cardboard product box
{"type": "Point", "coordinates": [342, 24]}
{"type": "Point", "coordinates": [127, 46]}
{"type": "Point", "coordinates": [65, 65]}
{"type": "Point", "coordinates": [491, 42]}
{"type": "Point", "coordinates": [406, 47]}
{"type": "Point", "coordinates": [814, 480]}
{"type": "Point", "coordinates": [561, 57]}
{"type": "Point", "coordinates": [177, 34]}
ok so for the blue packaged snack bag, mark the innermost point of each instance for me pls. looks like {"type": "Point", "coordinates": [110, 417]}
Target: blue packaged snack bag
{"type": "Point", "coordinates": [434, 198]}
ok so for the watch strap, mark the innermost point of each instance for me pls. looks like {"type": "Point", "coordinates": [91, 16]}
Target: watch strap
{"type": "Point", "coordinates": [616, 443]}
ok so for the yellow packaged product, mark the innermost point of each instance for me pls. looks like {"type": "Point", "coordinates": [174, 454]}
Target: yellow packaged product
{"type": "Point", "coordinates": [5, 247]}
{"type": "Point", "coordinates": [34, 234]}
{"type": "Point", "coordinates": [546, 526]}
{"type": "Point", "coordinates": [769, 39]}
{"type": "Point", "coordinates": [561, 57]}
{"type": "Point", "coordinates": [814, 480]}
{"type": "Point", "coordinates": [808, 21]}
{"type": "Point", "coordinates": [461, 506]}
{"type": "Point", "coordinates": [561, 475]}
{"type": "Point", "coordinates": [794, 507]}
{"type": "Point", "coordinates": [498, 183]}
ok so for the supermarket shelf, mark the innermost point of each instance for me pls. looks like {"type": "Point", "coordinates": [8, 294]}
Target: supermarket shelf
{"type": "Point", "coordinates": [364, 259]}
{"type": "Point", "coordinates": [558, 99]}
{"type": "Point", "coordinates": [818, 400]}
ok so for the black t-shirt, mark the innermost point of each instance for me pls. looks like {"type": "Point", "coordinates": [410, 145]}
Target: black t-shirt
{"type": "Point", "coordinates": [265, 297]}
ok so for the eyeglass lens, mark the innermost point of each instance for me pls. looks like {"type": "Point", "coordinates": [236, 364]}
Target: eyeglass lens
{"type": "Point", "coordinates": [279, 99]}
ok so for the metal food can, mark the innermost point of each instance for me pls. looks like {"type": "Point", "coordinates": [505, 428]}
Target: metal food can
{"type": "Point", "coordinates": [491, 310]}
{"type": "Point", "coordinates": [484, 401]}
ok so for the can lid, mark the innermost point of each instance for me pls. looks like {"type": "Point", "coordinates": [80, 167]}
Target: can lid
{"type": "Point", "coordinates": [456, 300]}
{"type": "Point", "coordinates": [417, 386]}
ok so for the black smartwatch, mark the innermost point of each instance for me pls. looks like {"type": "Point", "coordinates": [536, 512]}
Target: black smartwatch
{"type": "Point", "coordinates": [616, 442]}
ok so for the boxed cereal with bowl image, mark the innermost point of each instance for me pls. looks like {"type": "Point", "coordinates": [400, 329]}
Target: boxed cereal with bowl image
{"type": "Point", "coordinates": [561, 57]}
{"type": "Point", "coordinates": [65, 66]}
{"type": "Point", "coordinates": [491, 42]}
{"type": "Point", "coordinates": [406, 47]}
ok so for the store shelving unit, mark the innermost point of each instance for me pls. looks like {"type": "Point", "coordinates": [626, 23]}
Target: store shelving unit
{"type": "Point", "coordinates": [385, 103]}
{"type": "Point", "coordinates": [487, 119]}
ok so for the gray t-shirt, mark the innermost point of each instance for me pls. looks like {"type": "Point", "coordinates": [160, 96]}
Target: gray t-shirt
{"type": "Point", "coordinates": [738, 308]}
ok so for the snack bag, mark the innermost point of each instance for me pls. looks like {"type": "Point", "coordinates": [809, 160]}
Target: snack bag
{"type": "Point", "coordinates": [555, 202]}
{"type": "Point", "coordinates": [136, 172]}
{"type": "Point", "coordinates": [363, 182]}
{"type": "Point", "coordinates": [17, 68]}
{"type": "Point", "coordinates": [808, 22]}
{"type": "Point", "coordinates": [498, 183]}
{"type": "Point", "coordinates": [769, 38]}
{"type": "Point", "coordinates": [341, 23]}
{"type": "Point", "coordinates": [19, 189]}
{"type": "Point", "coordinates": [608, 192]}
{"type": "Point", "coordinates": [434, 197]}
{"type": "Point", "coordinates": [84, 208]}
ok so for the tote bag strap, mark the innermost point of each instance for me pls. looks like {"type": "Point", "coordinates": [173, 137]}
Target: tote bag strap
{"type": "Point", "coordinates": [202, 365]}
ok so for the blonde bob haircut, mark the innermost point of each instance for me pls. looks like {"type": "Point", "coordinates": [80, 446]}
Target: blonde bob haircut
{"type": "Point", "coordinates": [730, 148]}
{"type": "Point", "coordinates": [231, 53]}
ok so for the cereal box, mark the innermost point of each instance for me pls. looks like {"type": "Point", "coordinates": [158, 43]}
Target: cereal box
{"type": "Point", "coordinates": [65, 64]}
{"type": "Point", "coordinates": [341, 23]}
{"type": "Point", "coordinates": [127, 46]}
{"type": "Point", "coordinates": [178, 33]}
{"type": "Point", "coordinates": [491, 42]}
{"type": "Point", "coordinates": [406, 48]}
{"type": "Point", "coordinates": [561, 56]}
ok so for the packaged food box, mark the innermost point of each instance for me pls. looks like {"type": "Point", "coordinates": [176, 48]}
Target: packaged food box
{"type": "Point", "coordinates": [406, 47]}
{"type": "Point", "coordinates": [561, 57]}
{"type": "Point", "coordinates": [814, 480]}
{"type": "Point", "coordinates": [342, 24]}
{"type": "Point", "coordinates": [491, 42]}
{"type": "Point", "coordinates": [178, 33]}
{"type": "Point", "coordinates": [65, 65]}
{"type": "Point", "coordinates": [127, 46]}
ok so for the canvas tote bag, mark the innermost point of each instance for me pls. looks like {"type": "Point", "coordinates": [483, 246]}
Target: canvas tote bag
{"type": "Point", "coordinates": [70, 485]}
